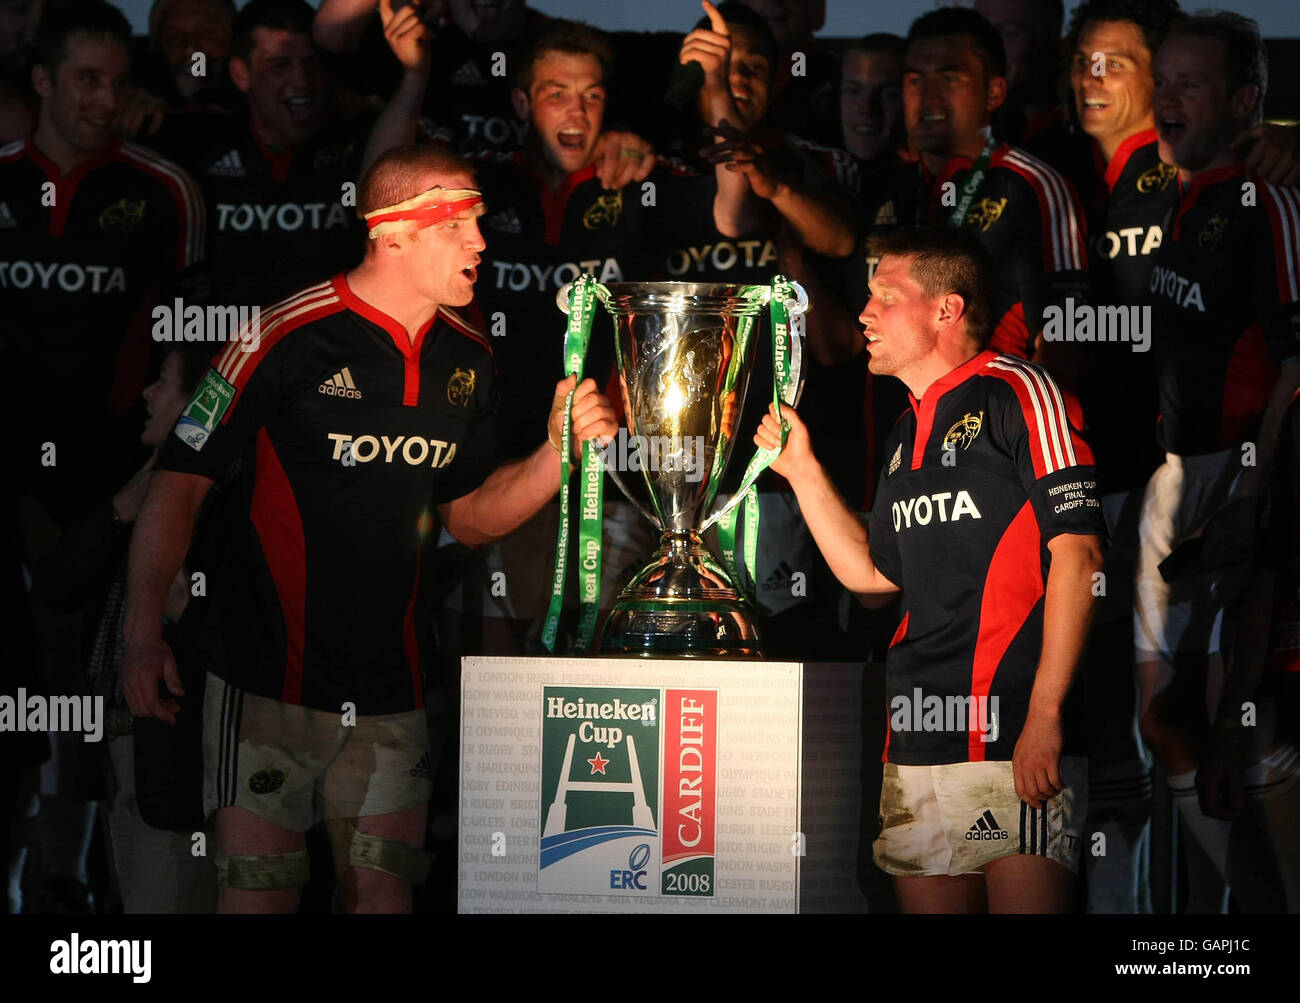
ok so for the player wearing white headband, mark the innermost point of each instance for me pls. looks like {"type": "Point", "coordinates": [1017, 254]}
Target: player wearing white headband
{"type": "Point", "coordinates": [368, 402]}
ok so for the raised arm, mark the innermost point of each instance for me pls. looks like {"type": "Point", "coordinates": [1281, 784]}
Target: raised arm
{"type": "Point", "coordinates": [399, 122]}
{"type": "Point", "coordinates": [840, 535]}
{"type": "Point", "coordinates": [340, 24]}
{"type": "Point", "coordinates": [515, 492]}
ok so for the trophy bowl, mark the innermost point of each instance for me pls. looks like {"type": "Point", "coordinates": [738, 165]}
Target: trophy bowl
{"type": "Point", "coordinates": [685, 352]}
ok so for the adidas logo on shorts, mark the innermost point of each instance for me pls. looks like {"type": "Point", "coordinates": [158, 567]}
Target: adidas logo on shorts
{"type": "Point", "coordinates": [986, 827]}
{"type": "Point", "coordinates": [421, 769]}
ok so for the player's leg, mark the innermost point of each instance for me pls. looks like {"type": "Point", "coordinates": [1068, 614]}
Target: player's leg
{"type": "Point", "coordinates": [376, 798]}
{"type": "Point", "coordinates": [260, 763]}
{"type": "Point", "coordinates": [1026, 884]}
{"type": "Point", "coordinates": [941, 893]}
{"type": "Point", "coordinates": [261, 866]}
{"type": "Point", "coordinates": [378, 859]}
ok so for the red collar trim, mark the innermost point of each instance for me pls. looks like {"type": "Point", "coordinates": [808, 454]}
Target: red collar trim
{"type": "Point", "coordinates": [380, 319]}
{"type": "Point", "coordinates": [951, 379]}
{"type": "Point", "coordinates": [1126, 150]}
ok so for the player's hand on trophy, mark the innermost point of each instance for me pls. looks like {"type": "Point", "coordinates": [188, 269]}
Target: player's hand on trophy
{"type": "Point", "coordinates": [797, 457]}
{"type": "Point", "coordinates": [1036, 761]}
{"type": "Point", "coordinates": [1271, 151]}
{"type": "Point", "coordinates": [593, 415]}
{"type": "Point", "coordinates": [711, 48]}
{"type": "Point", "coordinates": [145, 664]}
{"type": "Point", "coordinates": [407, 35]}
{"type": "Point", "coordinates": [623, 158]}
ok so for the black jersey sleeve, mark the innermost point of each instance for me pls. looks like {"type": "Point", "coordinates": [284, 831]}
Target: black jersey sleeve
{"type": "Point", "coordinates": [236, 397]}
{"type": "Point", "coordinates": [1040, 426]}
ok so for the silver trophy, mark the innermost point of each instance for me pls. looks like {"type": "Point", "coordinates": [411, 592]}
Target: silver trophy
{"type": "Point", "coordinates": [685, 353]}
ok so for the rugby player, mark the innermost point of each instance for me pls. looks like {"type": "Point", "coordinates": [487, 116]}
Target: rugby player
{"type": "Point", "coordinates": [1024, 212]}
{"type": "Point", "coordinates": [987, 520]}
{"type": "Point", "coordinates": [1128, 192]}
{"type": "Point", "coordinates": [368, 404]}
{"type": "Point", "coordinates": [1226, 319]}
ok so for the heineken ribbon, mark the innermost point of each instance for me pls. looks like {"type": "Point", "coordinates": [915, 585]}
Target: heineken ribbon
{"type": "Point", "coordinates": [582, 302]}
{"type": "Point", "coordinates": [785, 379]}
{"type": "Point", "coordinates": [978, 171]}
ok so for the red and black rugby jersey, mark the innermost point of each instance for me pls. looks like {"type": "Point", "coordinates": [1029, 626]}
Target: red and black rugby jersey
{"type": "Point", "coordinates": [1225, 291]}
{"type": "Point", "coordinates": [279, 220]}
{"type": "Point", "coordinates": [1025, 214]}
{"type": "Point", "coordinates": [84, 258]}
{"type": "Point", "coordinates": [963, 531]}
{"type": "Point", "coordinates": [357, 435]}
{"type": "Point", "coordinates": [1128, 201]}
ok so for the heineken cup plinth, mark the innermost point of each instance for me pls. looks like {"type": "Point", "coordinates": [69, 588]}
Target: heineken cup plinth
{"type": "Point", "coordinates": [685, 353]}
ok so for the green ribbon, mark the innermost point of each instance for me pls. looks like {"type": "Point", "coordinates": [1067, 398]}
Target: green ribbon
{"type": "Point", "coordinates": [973, 184]}
{"type": "Point", "coordinates": [783, 379]}
{"type": "Point", "coordinates": [582, 304]}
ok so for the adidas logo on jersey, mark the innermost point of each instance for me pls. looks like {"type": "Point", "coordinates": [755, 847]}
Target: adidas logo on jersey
{"type": "Point", "coordinates": [886, 215]}
{"type": "Point", "coordinates": [228, 166]}
{"type": "Point", "coordinates": [506, 221]}
{"type": "Point", "coordinates": [340, 385]}
{"type": "Point", "coordinates": [6, 217]}
{"type": "Point", "coordinates": [986, 827]}
{"type": "Point", "coordinates": [468, 75]}
{"type": "Point", "coordinates": [779, 578]}
{"type": "Point", "coordinates": [421, 769]}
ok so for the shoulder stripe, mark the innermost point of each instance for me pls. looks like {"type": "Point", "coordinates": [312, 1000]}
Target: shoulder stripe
{"type": "Point", "coordinates": [280, 320]}
{"type": "Point", "coordinates": [1050, 417]}
{"type": "Point", "coordinates": [1284, 208]}
{"type": "Point", "coordinates": [1063, 217]}
{"type": "Point", "coordinates": [192, 218]}
{"type": "Point", "coordinates": [235, 348]}
{"type": "Point", "coordinates": [465, 327]}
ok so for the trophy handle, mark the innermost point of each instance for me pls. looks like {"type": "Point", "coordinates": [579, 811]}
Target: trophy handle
{"type": "Point", "coordinates": [562, 299]}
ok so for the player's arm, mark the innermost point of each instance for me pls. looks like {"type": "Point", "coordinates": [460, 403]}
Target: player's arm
{"type": "Point", "coordinates": [840, 535]}
{"type": "Point", "coordinates": [1067, 613]}
{"type": "Point", "coordinates": [399, 123]}
{"type": "Point", "coordinates": [340, 25]}
{"type": "Point", "coordinates": [159, 543]}
{"type": "Point", "coordinates": [515, 492]}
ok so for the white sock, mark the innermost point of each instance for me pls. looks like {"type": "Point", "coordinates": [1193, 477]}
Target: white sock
{"type": "Point", "coordinates": [1211, 834]}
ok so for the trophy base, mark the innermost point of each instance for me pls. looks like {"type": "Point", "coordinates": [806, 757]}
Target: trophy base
{"type": "Point", "coordinates": [682, 604]}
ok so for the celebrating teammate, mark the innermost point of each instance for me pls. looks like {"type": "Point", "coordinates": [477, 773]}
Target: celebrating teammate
{"type": "Point", "coordinates": [986, 519]}
{"type": "Point", "coordinates": [368, 406]}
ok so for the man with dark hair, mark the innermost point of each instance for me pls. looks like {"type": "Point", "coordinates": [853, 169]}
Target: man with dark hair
{"type": "Point", "coordinates": [1226, 324]}
{"type": "Point", "coordinates": [1128, 192]}
{"type": "Point", "coordinates": [1031, 37]}
{"type": "Point", "coordinates": [805, 78]}
{"type": "Point", "coordinates": [369, 402]}
{"type": "Point", "coordinates": [986, 519]}
{"type": "Point", "coordinates": [93, 234]}
{"type": "Point", "coordinates": [1024, 213]}
{"type": "Point", "coordinates": [871, 99]}
{"type": "Point", "coordinates": [279, 177]}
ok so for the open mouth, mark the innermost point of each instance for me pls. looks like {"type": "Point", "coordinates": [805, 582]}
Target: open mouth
{"type": "Point", "coordinates": [868, 129]}
{"type": "Point", "coordinates": [1094, 104]}
{"type": "Point", "coordinates": [299, 106]}
{"type": "Point", "coordinates": [933, 118]}
{"type": "Point", "coordinates": [1171, 129]}
{"type": "Point", "coordinates": [571, 139]}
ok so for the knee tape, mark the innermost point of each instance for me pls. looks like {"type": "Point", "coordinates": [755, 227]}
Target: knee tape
{"type": "Point", "coordinates": [391, 856]}
{"type": "Point", "coordinates": [262, 872]}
